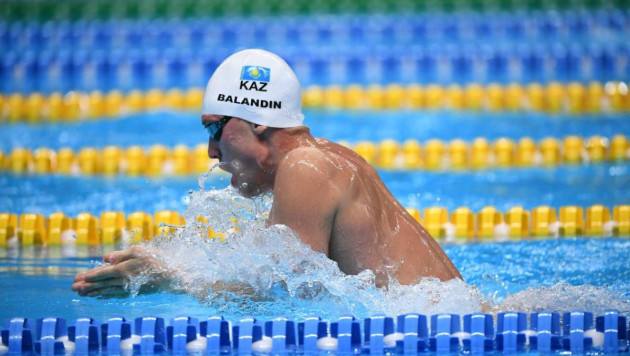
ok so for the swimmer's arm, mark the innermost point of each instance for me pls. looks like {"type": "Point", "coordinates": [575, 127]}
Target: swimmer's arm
{"type": "Point", "coordinates": [305, 198]}
{"type": "Point", "coordinates": [112, 279]}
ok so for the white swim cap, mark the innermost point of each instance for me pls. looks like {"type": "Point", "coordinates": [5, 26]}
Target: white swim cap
{"type": "Point", "coordinates": [256, 86]}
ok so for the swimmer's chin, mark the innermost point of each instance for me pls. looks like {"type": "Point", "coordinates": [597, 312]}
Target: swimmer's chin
{"type": "Point", "coordinates": [247, 190]}
{"type": "Point", "coordinates": [247, 193]}
{"type": "Point", "coordinates": [224, 167]}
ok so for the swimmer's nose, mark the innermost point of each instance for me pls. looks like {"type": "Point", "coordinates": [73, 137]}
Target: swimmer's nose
{"type": "Point", "coordinates": [213, 150]}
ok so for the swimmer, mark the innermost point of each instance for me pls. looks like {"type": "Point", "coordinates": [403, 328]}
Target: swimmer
{"type": "Point", "coordinates": [326, 193]}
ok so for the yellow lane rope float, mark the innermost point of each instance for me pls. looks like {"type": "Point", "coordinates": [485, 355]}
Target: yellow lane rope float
{"type": "Point", "coordinates": [461, 224]}
{"type": "Point", "coordinates": [554, 97]}
{"type": "Point", "coordinates": [481, 153]}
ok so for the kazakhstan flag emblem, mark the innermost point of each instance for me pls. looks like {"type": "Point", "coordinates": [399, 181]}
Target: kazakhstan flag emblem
{"type": "Point", "coordinates": [257, 73]}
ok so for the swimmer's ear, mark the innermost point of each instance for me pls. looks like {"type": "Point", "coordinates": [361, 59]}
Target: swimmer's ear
{"type": "Point", "coordinates": [259, 129]}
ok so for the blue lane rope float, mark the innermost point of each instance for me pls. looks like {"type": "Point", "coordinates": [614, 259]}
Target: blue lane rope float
{"type": "Point", "coordinates": [138, 69]}
{"type": "Point", "coordinates": [409, 334]}
{"type": "Point", "coordinates": [89, 54]}
{"type": "Point", "coordinates": [90, 34]}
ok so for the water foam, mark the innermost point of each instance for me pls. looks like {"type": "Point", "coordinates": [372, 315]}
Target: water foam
{"type": "Point", "coordinates": [267, 271]}
{"type": "Point", "coordinates": [564, 297]}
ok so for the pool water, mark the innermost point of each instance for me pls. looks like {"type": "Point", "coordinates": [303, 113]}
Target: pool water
{"type": "Point", "coordinates": [60, 49]}
{"type": "Point", "coordinates": [172, 128]}
{"type": "Point", "coordinates": [531, 275]}
{"type": "Point", "coordinates": [579, 184]}
{"type": "Point", "coordinates": [530, 187]}
{"type": "Point", "coordinates": [559, 274]}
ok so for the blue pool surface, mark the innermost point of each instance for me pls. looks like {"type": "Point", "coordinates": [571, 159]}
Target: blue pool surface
{"type": "Point", "coordinates": [582, 184]}
{"type": "Point", "coordinates": [503, 188]}
{"type": "Point", "coordinates": [563, 274]}
{"type": "Point", "coordinates": [555, 274]}
{"type": "Point", "coordinates": [170, 128]}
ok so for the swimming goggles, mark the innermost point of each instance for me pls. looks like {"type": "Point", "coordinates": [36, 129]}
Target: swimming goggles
{"type": "Point", "coordinates": [215, 129]}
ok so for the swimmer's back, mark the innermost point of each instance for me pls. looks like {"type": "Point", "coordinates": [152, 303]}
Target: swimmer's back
{"type": "Point", "coordinates": [370, 229]}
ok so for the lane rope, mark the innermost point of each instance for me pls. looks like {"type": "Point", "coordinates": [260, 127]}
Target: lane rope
{"type": "Point", "coordinates": [553, 97]}
{"type": "Point", "coordinates": [460, 225]}
{"type": "Point", "coordinates": [410, 155]}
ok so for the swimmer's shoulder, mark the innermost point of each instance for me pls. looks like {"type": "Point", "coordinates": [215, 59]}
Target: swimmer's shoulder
{"type": "Point", "coordinates": [338, 149]}
{"type": "Point", "coordinates": [306, 155]}
{"type": "Point", "coordinates": [307, 173]}
{"type": "Point", "coordinates": [309, 161]}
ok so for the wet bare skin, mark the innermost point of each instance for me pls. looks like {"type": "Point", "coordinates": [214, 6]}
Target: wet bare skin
{"type": "Point", "coordinates": [363, 225]}
{"type": "Point", "coordinates": [333, 200]}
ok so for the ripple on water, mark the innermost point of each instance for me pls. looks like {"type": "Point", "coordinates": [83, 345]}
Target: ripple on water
{"type": "Point", "coordinates": [267, 271]}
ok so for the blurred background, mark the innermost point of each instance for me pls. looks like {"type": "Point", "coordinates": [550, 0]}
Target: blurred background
{"type": "Point", "coordinates": [57, 46]}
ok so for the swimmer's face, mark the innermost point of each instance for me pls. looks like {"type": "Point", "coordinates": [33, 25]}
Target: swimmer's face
{"type": "Point", "coordinates": [233, 142]}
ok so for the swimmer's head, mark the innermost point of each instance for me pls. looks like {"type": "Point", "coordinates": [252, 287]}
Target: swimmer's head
{"type": "Point", "coordinates": [256, 86]}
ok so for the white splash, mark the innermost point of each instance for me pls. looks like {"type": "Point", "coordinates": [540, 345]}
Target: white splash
{"type": "Point", "coordinates": [267, 270]}
{"type": "Point", "coordinates": [260, 265]}
{"type": "Point", "coordinates": [563, 297]}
